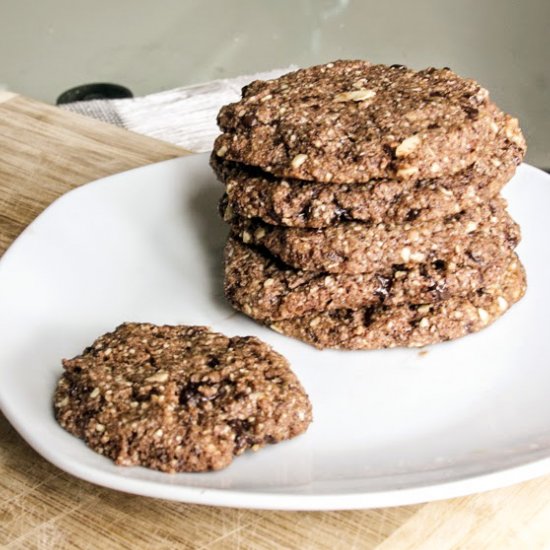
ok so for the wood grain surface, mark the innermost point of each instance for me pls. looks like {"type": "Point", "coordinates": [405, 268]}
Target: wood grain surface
{"type": "Point", "coordinates": [44, 152]}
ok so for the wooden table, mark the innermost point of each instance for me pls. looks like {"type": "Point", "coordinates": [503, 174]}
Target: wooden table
{"type": "Point", "coordinates": [44, 152]}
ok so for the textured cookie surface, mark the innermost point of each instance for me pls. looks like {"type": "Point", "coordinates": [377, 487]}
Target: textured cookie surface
{"type": "Point", "coordinates": [407, 325]}
{"type": "Point", "coordinates": [253, 193]}
{"type": "Point", "coordinates": [263, 288]}
{"type": "Point", "coordinates": [482, 233]}
{"type": "Point", "coordinates": [352, 121]}
{"type": "Point", "coordinates": [179, 398]}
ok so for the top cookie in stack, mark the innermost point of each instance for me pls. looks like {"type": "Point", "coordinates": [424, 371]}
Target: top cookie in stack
{"type": "Point", "coordinates": [364, 199]}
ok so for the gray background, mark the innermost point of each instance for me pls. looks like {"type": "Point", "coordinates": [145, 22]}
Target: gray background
{"type": "Point", "coordinates": [51, 45]}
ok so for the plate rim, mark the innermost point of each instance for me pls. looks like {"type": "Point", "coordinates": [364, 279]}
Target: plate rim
{"type": "Point", "coordinates": [266, 500]}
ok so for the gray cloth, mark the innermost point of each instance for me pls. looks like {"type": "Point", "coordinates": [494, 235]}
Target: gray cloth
{"type": "Point", "coordinates": [183, 116]}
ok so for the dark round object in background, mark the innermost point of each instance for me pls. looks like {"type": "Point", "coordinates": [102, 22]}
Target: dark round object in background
{"type": "Point", "coordinates": [99, 90]}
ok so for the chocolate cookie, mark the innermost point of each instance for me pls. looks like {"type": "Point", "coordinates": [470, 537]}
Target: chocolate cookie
{"type": "Point", "coordinates": [179, 398]}
{"type": "Point", "coordinates": [264, 288]}
{"type": "Point", "coordinates": [407, 325]}
{"type": "Point", "coordinates": [482, 233]}
{"type": "Point", "coordinates": [352, 121]}
{"type": "Point", "coordinates": [253, 193]}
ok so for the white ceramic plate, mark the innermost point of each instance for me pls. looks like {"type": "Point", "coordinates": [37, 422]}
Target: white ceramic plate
{"type": "Point", "coordinates": [391, 427]}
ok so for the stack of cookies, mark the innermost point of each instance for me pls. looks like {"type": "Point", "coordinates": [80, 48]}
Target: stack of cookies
{"type": "Point", "coordinates": [364, 205]}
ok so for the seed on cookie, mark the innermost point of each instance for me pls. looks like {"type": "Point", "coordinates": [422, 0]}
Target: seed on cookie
{"type": "Point", "coordinates": [298, 160]}
{"type": "Point", "coordinates": [355, 95]}
{"type": "Point", "coordinates": [408, 146]}
{"type": "Point", "coordinates": [407, 172]}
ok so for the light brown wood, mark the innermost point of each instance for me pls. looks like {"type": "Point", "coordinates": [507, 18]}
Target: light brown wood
{"type": "Point", "coordinates": [44, 152]}
{"type": "Point", "coordinates": [512, 517]}
{"type": "Point", "coordinates": [4, 96]}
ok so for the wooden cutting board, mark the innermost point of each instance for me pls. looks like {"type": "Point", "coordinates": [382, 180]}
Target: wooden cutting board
{"type": "Point", "coordinates": [44, 152]}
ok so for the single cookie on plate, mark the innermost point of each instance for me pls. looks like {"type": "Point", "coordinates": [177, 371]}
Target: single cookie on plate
{"type": "Point", "coordinates": [263, 288]}
{"type": "Point", "coordinates": [353, 121]}
{"type": "Point", "coordinates": [179, 398]}
{"type": "Point", "coordinates": [408, 325]}
{"type": "Point", "coordinates": [483, 233]}
{"type": "Point", "coordinates": [253, 193]}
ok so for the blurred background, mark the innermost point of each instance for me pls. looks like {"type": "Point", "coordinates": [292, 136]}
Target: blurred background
{"type": "Point", "coordinates": [49, 46]}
